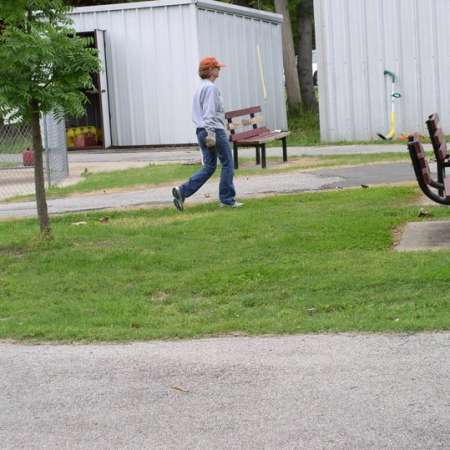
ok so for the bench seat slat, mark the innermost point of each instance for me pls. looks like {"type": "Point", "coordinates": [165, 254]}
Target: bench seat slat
{"type": "Point", "coordinates": [266, 137]}
{"type": "Point", "coordinates": [237, 137]}
{"type": "Point", "coordinates": [425, 168]}
{"type": "Point", "coordinates": [439, 144]}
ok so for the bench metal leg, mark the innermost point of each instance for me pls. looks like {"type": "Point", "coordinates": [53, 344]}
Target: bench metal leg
{"type": "Point", "coordinates": [441, 176]}
{"type": "Point", "coordinates": [258, 155]}
{"type": "Point", "coordinates": [235, 156]}
{"type": "Point", "coordinates": [263, 156]}
{"type": "Point", "coordinates": [284, 142]}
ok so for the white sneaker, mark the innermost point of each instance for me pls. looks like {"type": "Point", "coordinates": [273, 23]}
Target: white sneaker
{"type": "Point", "coordinates": [177, 198]}
{"type": "Point", "coordinates": [233, 205]}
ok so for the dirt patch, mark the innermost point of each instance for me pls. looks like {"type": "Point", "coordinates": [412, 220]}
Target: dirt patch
{"type": "Point", "coordinates": [159, 297]}
{"type": "Point", "coordinates": [77, 169]}
{"type": "Point", "coordinates": [101, 244]}
{"type": "Point", "coordinates": [397, 234]}
{"type": "Point", "coordinates": [12, 252]}
{"type": "Point", "coordinates": [136, 187]}
{"type": "Point", "coordinates": [142, 222]}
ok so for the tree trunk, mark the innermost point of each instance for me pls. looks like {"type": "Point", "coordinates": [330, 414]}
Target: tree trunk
{"type": "Point", "coordinates": [305, 43]}
{"type": "Point", "coordinates": [289, 63]}
{"type": "Point", "coordinates": [39, 180]}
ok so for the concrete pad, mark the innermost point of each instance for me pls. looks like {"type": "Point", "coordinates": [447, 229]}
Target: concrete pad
{"type": "Point", "coordinates": [425, 236]}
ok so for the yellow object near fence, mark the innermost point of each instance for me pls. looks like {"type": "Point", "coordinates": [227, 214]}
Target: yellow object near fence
{"type": "Point", "coordinates": [89, 130]}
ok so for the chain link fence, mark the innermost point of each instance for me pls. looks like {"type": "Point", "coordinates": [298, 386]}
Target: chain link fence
{"type": "Point", "coordinates": [55, 144]}
{"type": "Point", "coordinates": [17, 164]}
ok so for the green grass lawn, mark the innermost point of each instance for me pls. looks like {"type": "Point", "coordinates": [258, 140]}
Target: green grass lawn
{"type": "Point", "coordinates": [153, 175]}
{"type": "Point", "coordinates": [288, 264]}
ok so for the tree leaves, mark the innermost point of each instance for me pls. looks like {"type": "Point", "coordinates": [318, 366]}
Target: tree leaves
{"type": "Point", "coordinates": [43, 59]}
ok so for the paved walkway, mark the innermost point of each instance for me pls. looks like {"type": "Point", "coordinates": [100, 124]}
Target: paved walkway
{"type": "Point", "coordinates": [246, 186]}
{"type": "Point", "coordinates": [347, 391]}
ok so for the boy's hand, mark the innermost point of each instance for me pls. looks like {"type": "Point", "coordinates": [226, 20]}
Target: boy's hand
{"type": "Point", "coordinates": [210, 140]}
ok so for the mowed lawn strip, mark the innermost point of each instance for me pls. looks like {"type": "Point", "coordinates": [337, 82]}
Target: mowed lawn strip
{"type": "Point", "coordinates": [290, 264]}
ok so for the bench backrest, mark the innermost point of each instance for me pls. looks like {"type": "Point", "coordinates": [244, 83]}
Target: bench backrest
{"type": "Point", "coordinates": [238, 120]}
{"type": "Point", "coordinates": [437, 137]}
{"type": "Point", "coordinates": [420, 163]}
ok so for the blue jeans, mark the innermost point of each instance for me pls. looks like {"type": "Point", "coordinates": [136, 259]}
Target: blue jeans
{"type": "Point", "coordinates": [223, 152]}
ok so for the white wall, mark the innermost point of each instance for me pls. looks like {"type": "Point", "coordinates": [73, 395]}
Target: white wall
{"type": "Point", "coordinates": [233, 38]}
{"type": "Point", "coordinates": [357, 40]}
{"type": "Point", "coordinates": [151, 56]}
{"type": "Point", "coordinates": [153, 49]}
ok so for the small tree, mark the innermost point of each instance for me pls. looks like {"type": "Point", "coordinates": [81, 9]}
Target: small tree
{"type": "Point", "coordinates": [44, 67]}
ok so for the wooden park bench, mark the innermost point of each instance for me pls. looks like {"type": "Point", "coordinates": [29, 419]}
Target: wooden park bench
{"type": "Point", "coordinates": [423, 174]}
{"type": "Point", "coordinates": [439, 144]}
{"type": "Point", "coordinates": [252, 134]}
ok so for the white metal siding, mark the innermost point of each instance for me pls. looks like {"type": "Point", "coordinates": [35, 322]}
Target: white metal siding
{"type": "Point", "coordinates": [233, 39]}
{"type": "Point", "coordinates": [151, 57]}
{"type": "Point", "coordinates": [152, 53]}
{"type": "Point", "coordinates": [357, 40]}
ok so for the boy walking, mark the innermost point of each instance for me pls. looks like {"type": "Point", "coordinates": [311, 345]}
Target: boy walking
{"type": "Point", "coordinates": [208, 116]}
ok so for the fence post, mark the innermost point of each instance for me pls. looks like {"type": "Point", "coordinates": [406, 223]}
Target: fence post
{"type": "Point", "coordinates": [47, 157]}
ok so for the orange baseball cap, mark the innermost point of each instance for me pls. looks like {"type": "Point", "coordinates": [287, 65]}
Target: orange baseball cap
{"type": "Point", "coordinates": [210, 63]}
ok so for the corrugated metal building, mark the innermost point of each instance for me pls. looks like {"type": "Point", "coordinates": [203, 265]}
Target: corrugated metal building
{"type": "Point", "coordinates": [357, 40]}
{"type": "Point", "coordinates": [151, 52]}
